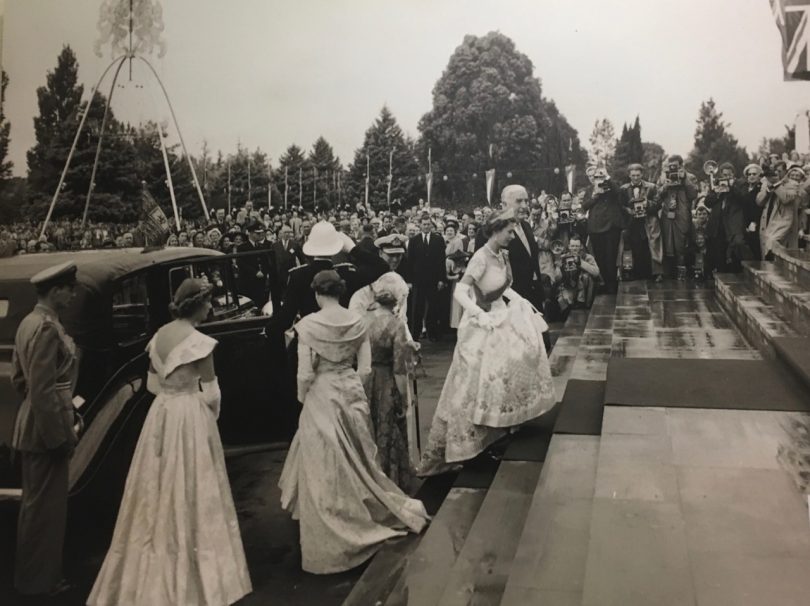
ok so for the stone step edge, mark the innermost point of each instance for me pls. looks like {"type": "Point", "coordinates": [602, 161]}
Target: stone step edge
{"type": "Point", "coordinates": [794, 309]}
{"type": "Point", "coordinates": [733, 306]}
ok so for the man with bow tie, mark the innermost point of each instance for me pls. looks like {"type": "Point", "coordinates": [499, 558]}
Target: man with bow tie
{"type": "Point", "coordinates": [643, 233]}
{"type": "Point", "coordinates": [426, 267]}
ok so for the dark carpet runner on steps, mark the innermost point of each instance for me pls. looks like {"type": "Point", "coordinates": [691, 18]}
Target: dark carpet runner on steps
{"type": "Point", "coordinates": [723, 384]}
{"type": "Point", "coordinates": [795, 352]}
{"type": "Point", "coordinates": [581, 408]}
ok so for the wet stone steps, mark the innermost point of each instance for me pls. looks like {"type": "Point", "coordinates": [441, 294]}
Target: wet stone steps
{"type": "Point", "coordinates": [795, 264]}
{"type": "Point", "coordinates": [759, 322]}
{"type": "Point", "coordinates": [775, 286]}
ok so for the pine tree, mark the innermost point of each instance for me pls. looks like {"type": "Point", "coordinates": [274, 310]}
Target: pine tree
{"type": "Point", "coordinates": [603, 143]}
{"type": "Point", "coordinates": [489, 100]}
{"type": "Point", "coordinates": [714, 142]}
{"type": "Point", "coordinates": [629, 150]}
{"type": "Point", "coordinates": [327, 167]}
{"type": "Point", "coordinates": [383, 137]}
{"type": "Point", "coordinates": [296, 165]}
{"type": "Point", "coordinates": [117, 189]}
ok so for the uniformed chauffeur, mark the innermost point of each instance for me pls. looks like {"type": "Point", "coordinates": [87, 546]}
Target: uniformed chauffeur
{"type": "Point", "coordinates": [44, 371]}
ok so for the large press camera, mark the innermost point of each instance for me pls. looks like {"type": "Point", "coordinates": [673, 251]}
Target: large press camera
{"type": "Point", "coordinates": [570, 266]}
{"type": "Point", "coordinates": [565, 212]}
{"type": "Point", "coordinates": [639, 202]}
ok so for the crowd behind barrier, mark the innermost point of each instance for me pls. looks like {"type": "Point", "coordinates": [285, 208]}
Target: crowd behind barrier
{"type": "Point", "coordinates": [584, 241]}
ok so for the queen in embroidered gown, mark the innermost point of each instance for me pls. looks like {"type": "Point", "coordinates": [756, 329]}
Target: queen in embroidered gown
{"type": "Point", "coordinates": [176, 540]}
{"type": "Point", "coordinates": [499, 377]}
{"type": "Point", "coordinates": [331, 479]}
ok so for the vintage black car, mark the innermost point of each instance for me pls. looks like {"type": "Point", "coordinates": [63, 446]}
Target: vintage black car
{"type": "Point", "coordinates": [122, 298]}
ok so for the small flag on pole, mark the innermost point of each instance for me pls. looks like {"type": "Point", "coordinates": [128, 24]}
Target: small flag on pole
{"type": "Point", "coordinates": [792, 20]}
{"type": "Point", "coordinates": [155, 224]}
{"type": "Point", "coordinates": [569, 176]}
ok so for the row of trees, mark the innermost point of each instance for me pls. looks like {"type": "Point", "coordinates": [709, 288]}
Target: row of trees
{"type": "Point", "coordinates": [488, 112]}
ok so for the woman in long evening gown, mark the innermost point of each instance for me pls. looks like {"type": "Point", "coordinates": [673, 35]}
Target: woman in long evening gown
{"type": "Point", "coordinates": [177, 540]}
{"type": "Point", "coordinates": [499, 377]}
{"type": "Point", "coordinates": [388, 386]}
{"type": "Point", "coordinates": [331, 479]}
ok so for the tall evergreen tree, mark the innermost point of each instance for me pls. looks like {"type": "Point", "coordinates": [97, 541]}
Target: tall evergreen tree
{"type": "Point", "coordinates": [296, 165]}
{"type": "Point", "coordinates": [603, 143]}
{"type": "Point", "coordinates": [489, 111]}
{"type": "Point", "coordinates": [327, 168]}
{"type": "Point", "coordinates": [629, 149]}
{"type": "Point", "coordinates": [383, 137]}
{"type": "Point", "coordinates": [117, 190]}
{"type": "Point", "coordinates": [714, 142]}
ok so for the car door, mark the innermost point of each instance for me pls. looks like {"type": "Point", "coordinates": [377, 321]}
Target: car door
{"type": "Point", "coordinates": [249, 362]}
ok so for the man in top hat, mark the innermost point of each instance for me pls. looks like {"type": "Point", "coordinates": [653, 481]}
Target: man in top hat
{"type": "Point", "coordinates": [44, 372]}
{"type": "Point", "coordinates": [325, 243]}
{"type": "Point", "coordinates": [256, 272]}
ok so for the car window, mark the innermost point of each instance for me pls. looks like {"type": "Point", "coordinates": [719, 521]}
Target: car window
{"type": "Point", "coordinates": [226, 303]}
{"type": "Point", "coordinates": [130, 309]}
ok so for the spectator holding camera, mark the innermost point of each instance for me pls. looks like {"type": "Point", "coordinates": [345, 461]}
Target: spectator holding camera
{"type": "Point", "coordinates": [643, 234]}
{"type": "Point", "coordinates": [572, 274]}
{"type": "Point", "coordinates": [783, 203]}
{"type": "Point", "coordinates": [605, 224]}
{"type": "Point", "coordinates": [677, 191]}
{"type": "Point", "coordinates": [725, 231]}
{"type": "Point", "coordinates": [749, 188]}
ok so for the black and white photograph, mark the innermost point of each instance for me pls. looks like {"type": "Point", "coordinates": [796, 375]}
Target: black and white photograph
{"type": "Point", "coordinates": [405, 303]}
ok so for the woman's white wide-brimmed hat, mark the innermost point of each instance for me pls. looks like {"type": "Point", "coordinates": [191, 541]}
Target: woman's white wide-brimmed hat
{"type": "Point", "coordinates": [323, 241]}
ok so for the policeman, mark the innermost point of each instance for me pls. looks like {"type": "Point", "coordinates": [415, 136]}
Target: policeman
{"type": "Point", "coordinates": [323, 244]}
{"type": "Point", "coordinates": [44, 371]}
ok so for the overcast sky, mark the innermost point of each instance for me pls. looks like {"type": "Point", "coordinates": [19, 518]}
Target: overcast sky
{"type": "Point", "coordinates": [269, 73]}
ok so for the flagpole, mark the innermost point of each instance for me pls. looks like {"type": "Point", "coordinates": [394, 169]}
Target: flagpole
{"type": "Point", "coordinates": [390, 176]}
{"type": "Point", "coordinates": [314, 187]}
{"type": "Point", "coordinates": [368, 169]}
{"type": "Point", "coordinates": [269, 186]}
{"type": "Point", "coordinates": [229, 186]}
{"type": "Point", "coordinates": [169, 178]}
{"type": "Point", "coordinates": [250, 190]}
{"type": "Point", "coordinates": [429, 182]}
{"type": "Point", "coordinates": [286, 171]}
{"type": "Point", "coordinates": [301, 186]}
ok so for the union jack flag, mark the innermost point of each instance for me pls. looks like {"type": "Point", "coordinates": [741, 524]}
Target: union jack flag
{"type": "Point", "coordinates": [792, 20]}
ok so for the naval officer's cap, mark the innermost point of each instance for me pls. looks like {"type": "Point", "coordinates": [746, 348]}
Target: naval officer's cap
{"type": "Point", "coordinates": [63, 274]}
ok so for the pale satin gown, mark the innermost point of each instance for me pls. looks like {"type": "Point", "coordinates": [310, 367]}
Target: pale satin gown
{"type": "Point", "coordinates": [176, 540]}
{"type": "Point", "coordinates": [500, 375]}
{"type": "Point", "coordinates": [332, 481]}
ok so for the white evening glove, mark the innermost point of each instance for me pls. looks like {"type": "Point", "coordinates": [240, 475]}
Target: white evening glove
{"type": "Point", "coordinates": [211, 396]}
{"type": "Point", "coordinates": [477, 315]}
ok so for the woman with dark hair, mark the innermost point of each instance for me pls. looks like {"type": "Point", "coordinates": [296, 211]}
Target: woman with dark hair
{"type": "Point", "coordinates": [332, 481]}
{"type": "Point", "coordinates": [499, 377]}
{"type": "Point", "coordinates": [177, 540]}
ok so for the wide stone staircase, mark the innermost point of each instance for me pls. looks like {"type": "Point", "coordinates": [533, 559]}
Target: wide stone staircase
{"type": "Point", "coordinates": [770, 303]}
{"type": "Point", "coordinates": [650, 506]}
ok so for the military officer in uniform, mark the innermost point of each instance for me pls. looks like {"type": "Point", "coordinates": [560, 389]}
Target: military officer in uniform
{"type": "Point", "coordinates": [44, 372]}
{"type": "Point", "coordinates": [323, 244]}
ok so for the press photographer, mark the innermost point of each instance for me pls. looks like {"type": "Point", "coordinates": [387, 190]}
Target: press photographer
{"type": "Point", "coordinates": [642, 238]}
{"type": "Point", "coordinates": [572, 277]}
{"type": "Point", "coordinates": [605, 224]}
{"type": "Point", "coordinates": [677, 190]}
{"type": "Point", "coordinates": [725, 232]}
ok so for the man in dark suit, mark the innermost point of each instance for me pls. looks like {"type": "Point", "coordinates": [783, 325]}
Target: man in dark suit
{"type": "Point", "coordinates": [256, 272]}
{"type": "Point", "coordinates": [523, 249]}
{"type": "Point", "coordinates": [427, 269]}
{"type": "Point", "coordinates": [287, 254]}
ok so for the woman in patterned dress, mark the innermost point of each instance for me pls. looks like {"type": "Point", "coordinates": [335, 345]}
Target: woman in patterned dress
{"type": "Point", "coordinates": [499, 377]}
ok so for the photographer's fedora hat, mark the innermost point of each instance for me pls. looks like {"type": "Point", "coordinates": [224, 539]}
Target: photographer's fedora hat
{"type": "Point", "coordinates": [323, 241]}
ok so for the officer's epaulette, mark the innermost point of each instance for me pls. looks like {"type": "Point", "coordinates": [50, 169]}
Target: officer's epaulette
{"type": "Point", "coordinates": [292, 269]}
{"type": "Point", "coordinates": [349, 266]}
